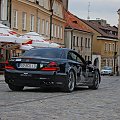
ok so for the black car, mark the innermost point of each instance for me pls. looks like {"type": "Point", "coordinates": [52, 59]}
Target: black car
{"type": "Point", "coordinates": [53, 67]}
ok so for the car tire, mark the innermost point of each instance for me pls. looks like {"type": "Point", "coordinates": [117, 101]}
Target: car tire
{"type": "Point", "coordinates": [96, 81]}
{"type": "Point", "coordinates": [70, 85]}
{"type": "Point", "coordinates": [15, 88]}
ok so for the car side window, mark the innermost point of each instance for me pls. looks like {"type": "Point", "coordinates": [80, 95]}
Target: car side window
{"type": "Point", "coordinates": [72, 56]}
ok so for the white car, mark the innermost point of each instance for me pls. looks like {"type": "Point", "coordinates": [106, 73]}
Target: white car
{"type": "Point", "coordinates": [106, 70]}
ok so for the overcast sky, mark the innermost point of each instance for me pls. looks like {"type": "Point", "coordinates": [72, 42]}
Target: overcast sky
{"type": "Point", "coordinates": [103, 9]}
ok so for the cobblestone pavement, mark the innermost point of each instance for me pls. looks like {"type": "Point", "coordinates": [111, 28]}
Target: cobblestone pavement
{"type": "Point", "coordinates": [82, 104]}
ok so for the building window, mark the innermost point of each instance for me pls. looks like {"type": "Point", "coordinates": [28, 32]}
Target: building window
{"type": "Point", "coordinates": [77, 42]}
{"type": "Point", "coordinates": [109, 46]}
{"type": "Point", "coordinates": [81, 41]}
{"type": "Point", "coordinates": [24, 20]}
{"type": "Point", "coordinates": [74, 41]}
{"type": "Point", "coordinates": [15, 17]}
{"type": "Point", "coordinates": [105, 47]}
{"type": "Point", "coordinates": [58, 35]}
{"type": "Point", "coordinates": [47, 28]}
{"type": "Point", "coordinates": [88, 42]}
{"type": "Point", "coordinates": [55, 30]}
{"type": "Point", "coordinates": [38, 25]}
{"type": "Point", "coordinates": [85, 57]}
{"type": "Point", "coordinates": [43, 26]}
{"type": "Point", "coordinates": [52, 30]}
{"type": "Point", "coordinates": [113, 48]}
{"type": "Point", "coordinates": [61, 32]}
{"type": "Point", "coordinates": [41, 2]}
{"type": "Point", "coordinates": [32, 22]}
{"type": "Point", "coordinates": [85, 42]}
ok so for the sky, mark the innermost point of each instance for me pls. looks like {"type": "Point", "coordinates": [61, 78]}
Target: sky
{"type": "Point", "coordinates": [102, 9]}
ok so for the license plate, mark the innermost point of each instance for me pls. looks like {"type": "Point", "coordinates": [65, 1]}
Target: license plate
{"type": "Point", "coordinates": [28, 65]}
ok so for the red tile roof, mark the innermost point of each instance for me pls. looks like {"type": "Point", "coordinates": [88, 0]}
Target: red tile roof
{"type": "Point", "coordinates": [74, 22]}
{"type": "Point", "coordinates": [105, 31]}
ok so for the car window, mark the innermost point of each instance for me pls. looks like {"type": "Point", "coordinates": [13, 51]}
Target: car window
{"type": "Point", "coordinates": [107, 68]}
{"type": "Point", "coordinates": [72, 56]}
{"type": "Point", "coordinates": [46, 53]}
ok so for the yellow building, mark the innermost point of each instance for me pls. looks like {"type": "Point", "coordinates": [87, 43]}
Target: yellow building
{"type": "Point", "coordinates": [104, 44]}
{"type": "Point", "coordinates": [34, 15]}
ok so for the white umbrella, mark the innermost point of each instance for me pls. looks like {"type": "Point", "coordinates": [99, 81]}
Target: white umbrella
{"type": "Point", "coordinates": [3, 26]}
{"type": "Point", "coordinates": [54, 45]}
{"type": "Point", "coordinates": [41, 44]}
{"type": "Point", "coordinates": [37, 40]}
{"type": "Point", "coordinates": [26, 47]}
{"type": "Point", "coordinates": [7, 35]}
{"type": "Point", "coordinates": [35, 37]}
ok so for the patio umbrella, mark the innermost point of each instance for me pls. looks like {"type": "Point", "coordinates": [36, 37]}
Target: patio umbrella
{"type": "Point", "coordinates": [35, 37]}
{"type": "Point", "coordinates": [8, 35]}
{"type": "Point", "coordinates": [26, 47]}
{"type": "Point", "coordinates": [37, 40]}
{"type": "Point", "coordinates": [54, 45]}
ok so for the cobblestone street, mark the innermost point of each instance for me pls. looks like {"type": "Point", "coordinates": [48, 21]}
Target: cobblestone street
{"type": "Point", "coordinates": [82, 104]}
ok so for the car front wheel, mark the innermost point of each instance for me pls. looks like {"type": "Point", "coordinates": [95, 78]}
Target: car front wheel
{"type": "Point", "coordinates": [15, 88]}
{"type": "Point", "coordinates": [70, 85]}
{"type": "Point", "coordinates": [96, 81]}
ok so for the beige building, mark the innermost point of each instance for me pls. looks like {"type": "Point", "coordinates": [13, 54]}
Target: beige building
{"type": "Point", "coordinates": [34, 15]}
{"type": "Point", "coordinates": [77, 36]}
{"type": "Point", "coordinates": [105, 42]}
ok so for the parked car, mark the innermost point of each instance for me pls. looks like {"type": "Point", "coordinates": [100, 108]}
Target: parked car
{"type": "Point", "coordinates": [55, 67]}
{"type": "Point", "coordinates": [106, 70]}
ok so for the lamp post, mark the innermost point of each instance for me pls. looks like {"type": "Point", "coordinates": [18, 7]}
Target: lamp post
{"type": "Point", "coordinates": [51, 10]}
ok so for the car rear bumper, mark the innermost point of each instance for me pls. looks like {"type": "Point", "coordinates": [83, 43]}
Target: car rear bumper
{"type": "Point", "coordinates": [35, 78]}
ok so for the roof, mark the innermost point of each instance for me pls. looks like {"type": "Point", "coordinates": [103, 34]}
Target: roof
{"type": "Point", "coordinates": [73, 22]}
{"type": "Point", "coordinates": [105, 30]}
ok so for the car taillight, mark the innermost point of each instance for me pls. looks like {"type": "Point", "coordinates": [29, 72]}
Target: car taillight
{"type": "Point", "coordinates": [52, 66]}
{"type": "Point", "coordinates": [8, 66]}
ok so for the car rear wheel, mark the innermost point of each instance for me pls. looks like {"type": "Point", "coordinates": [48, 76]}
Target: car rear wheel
{"type": "Point", "coordinates": [15, 88]}
{"type": "Point", "coordinates": [96, 81]}
{"type": "Point", "coordinates": [69, 87]}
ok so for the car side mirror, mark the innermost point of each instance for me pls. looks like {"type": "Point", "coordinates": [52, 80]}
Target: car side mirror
{"type": "Point", "coordinates": [88, 62]}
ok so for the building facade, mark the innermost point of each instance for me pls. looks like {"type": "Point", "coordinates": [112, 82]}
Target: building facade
{"type": "Point", "coordinates": [105, 42]}
{"type": "Point", "coordinates": [34, 15]}
{"type": "Point", "coordinates": [77, 36]}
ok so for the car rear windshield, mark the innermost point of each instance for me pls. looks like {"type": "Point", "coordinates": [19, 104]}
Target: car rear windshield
{"type": "Point", "coordinates": [107, 68]}
{"type": "Point", "coordinates": [45, 53]}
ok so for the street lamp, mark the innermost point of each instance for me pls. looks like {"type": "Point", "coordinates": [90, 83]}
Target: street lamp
{"type": "Point", "coordinates": [51, 10]}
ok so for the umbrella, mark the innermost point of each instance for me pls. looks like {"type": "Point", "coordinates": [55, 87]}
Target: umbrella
{"type": "Point", "coordinates": [7, 35]}
{"type": "Point", "coordinates": [26, 47]}
{"type": "Point", "coordinates": [37, 40]}
{"type": "Point", "coordinates": [35, 37]}
{"type": "Point", "coordinates": [54, 45]}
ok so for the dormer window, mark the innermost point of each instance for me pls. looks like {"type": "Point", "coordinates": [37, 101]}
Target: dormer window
{"type": "Point", "coordinates": [75, 22]}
